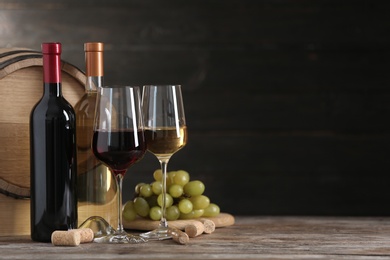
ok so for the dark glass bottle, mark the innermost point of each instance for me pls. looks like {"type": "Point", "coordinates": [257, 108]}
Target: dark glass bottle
{"type": "Point", "coordinates": [52, 154]}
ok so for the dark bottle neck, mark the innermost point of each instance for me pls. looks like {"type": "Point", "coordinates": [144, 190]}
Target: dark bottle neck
{"type": "Point", "coordinates": [52, 89]}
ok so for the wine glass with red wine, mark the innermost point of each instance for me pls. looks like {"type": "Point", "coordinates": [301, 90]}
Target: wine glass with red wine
{"type": "Point", "coordinates": [165, 133]}
{"type": "Point", "coordinates": [119, 142]}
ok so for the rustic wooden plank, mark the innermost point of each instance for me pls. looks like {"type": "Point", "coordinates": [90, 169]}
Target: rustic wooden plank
{"type": "Point", "coordinates": [249, 238]}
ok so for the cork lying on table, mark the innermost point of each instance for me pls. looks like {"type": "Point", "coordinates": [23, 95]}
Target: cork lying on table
{"type": "Point", "coordinates": [195, 228]}
{"type": "Point", "coordinates": [65, 238]}
{"type": "Point", "coordinates": [209, 225]}
{"type": "Point", "coordinates": [178, 236]}
{"type": "Point", "coordinates": [72, 237]}
{"type": "Point", "coordinates": [86, 235]}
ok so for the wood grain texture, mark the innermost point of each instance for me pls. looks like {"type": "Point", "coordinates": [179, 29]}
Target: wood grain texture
{"type": "Point", "coordinates": [250, 238]}
{"type": "Point", "coordinates": [222, 220]}
{"type": "Point", "coordinates": [20, 89]}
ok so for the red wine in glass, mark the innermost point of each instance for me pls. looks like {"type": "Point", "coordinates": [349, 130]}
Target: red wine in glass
{"type": "Point", "coordinates": [118, 142]}
{"type": "Point", "coordinates": [118, 149]}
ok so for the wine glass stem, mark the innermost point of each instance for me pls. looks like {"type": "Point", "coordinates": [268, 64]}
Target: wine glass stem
{"type": "Point", "coordinates": [119, 180]}
{"type": "Point", "coordinates": [164, 166]}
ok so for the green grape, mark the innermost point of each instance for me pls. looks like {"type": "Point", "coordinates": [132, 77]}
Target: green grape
{"type": "Point", "coordinates": [185, 206]}
{"type": "Point", "coordinates": [152, 201]}
{"type": "Point", "coordinates": [170, 176]}
{"type": "Point", "coordinates": [211, 211]}
{"type": "Point", "coordinates": [175, 190]}
{"type": "Point", "coordinates": [181, 177]}
{"type": "Point", "coordinates": [157, 187]}
{"type": "Point", "coordinates": [129, 212]}
{"type": "Point", "coordinates": [196, 213]}
{"type": "Point", "coordinates": [155, 213]}
{"type": "Point", "coordinates": [141, 206]}
{"type": "Point", "coordinates": [172, 213]}
{"type": "Point", "coordinates": [194, 188]}
{"type": "Point", "coordinates": [145, 190]}
{"type": "Point", "coordinates": [168, 200]}
{"type": "Point", "coordinates": [157, 175]}
{"type": "Point", "coordinates": [138, 186]}
{"type": "Point", "coordinates": [200, 201]}
{"type": "Point", "coordinates": [187, 194]}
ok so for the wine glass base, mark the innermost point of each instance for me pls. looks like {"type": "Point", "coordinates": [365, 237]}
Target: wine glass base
{"type": "Point", "coordinates": [122, 238]}
{"type": "Point", "coordinates": [157, 234]}
{"type": "Point", "coordinates": [99, 226]}
{"type": "Point", "coordinates": [104, 233]}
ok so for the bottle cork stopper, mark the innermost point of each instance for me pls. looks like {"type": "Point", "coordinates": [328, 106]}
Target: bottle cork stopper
{"type": "Point", "coordinates": [209, 225]}
{"type": "Point", "coordinates": [194, 229]}
{"type": "Point", "coordinates": [86, 235]}
{"type": "Point", "coordinates": [178, 236]}
{"type": "Point", "coordinates": [72, 237]}
{"type": "Point", "coordinates": [65, 238]}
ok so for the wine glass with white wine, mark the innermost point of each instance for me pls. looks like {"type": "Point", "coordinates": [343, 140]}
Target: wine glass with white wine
{"type": "Point", "coordinates": [165, 134]}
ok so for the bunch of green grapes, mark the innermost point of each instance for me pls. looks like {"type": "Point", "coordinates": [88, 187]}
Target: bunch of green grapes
{"type": "Point", "coordinates": [184, 199]}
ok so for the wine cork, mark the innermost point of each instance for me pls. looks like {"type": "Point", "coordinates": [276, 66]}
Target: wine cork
{"type": "Point", "coordinates": [209, 225]}
{"type": "Point", "coordinates": [178, 236]}
{"type": "Point", "coordinates": [72, 237]}
{"type": "Point", "coordinates": [65, 238]}
{"type": "Point", "coordinates": [194, 229]}
{"type": "Point", "coordinates": [86, 234]}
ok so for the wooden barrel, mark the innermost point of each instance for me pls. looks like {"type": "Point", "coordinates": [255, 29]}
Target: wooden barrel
{"type": "Point", "coordinates": [21, 87]}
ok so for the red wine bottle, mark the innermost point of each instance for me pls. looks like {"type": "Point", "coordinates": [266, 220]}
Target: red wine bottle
{"type": "Point", "coordinates": [52, 154]}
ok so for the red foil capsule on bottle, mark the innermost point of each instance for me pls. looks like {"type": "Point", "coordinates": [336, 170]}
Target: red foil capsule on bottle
{"type": "Point", "coordinates": [51, 62]}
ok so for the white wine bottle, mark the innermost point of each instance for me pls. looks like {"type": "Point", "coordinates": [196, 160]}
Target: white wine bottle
{"type": "Point", "coordinates": [96, 186]}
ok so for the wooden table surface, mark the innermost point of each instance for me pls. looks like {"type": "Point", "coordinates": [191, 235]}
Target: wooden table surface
{"type": "Point", "coordinates": [250, 238]}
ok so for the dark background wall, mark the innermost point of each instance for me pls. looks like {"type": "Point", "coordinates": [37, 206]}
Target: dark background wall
{"type": "Point", "coordinates": [287, 102]}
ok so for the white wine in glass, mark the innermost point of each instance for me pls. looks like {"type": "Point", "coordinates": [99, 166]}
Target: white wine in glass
{"type": "Point", "coordinates": [165, 134]}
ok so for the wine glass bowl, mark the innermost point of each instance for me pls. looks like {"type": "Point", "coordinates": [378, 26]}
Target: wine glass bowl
{"type": "Point", "coordinates": [119, 142]}
{"type": "Point", "coordinates": [165, 141]}
{"type": "Point", "coordinates": [165, 134]}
